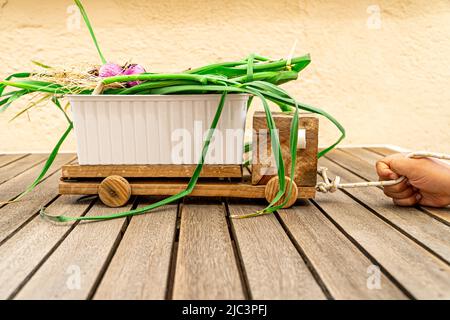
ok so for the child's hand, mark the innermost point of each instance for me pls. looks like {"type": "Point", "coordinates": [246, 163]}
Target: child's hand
{"type": "Point", "coordinates": [427, 183]}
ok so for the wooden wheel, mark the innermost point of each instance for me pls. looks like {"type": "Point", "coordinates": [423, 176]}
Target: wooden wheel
{"type": "Point", "coordinates": [272, 189]}
{"type": "Point", "coordinates": [114, 191]}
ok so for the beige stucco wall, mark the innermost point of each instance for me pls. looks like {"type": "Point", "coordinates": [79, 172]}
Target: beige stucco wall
{"type": "Point", "coordinates": [384, 75]}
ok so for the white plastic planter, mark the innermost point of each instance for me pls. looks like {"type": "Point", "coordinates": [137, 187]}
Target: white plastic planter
{"type": "Point", "coordinates": [157, 129]}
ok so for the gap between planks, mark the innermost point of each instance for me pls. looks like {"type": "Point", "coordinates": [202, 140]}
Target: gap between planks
{"type": "Point", "coordinates": [238, 258]}
{"type": "Point", "coordinates": [174, 253]}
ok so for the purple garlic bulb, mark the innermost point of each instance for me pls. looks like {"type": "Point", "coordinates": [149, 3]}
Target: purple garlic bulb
{"type": "Point", "coordinates": [133, 69]}
{"type": "Point", "coordinates": [110, 70]}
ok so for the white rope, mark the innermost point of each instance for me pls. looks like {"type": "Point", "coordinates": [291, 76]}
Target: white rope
{"type": "Point", "coordinates": [332, 185]}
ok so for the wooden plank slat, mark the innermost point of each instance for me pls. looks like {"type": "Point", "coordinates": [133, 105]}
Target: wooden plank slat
{"type": "Point", "coordinates": [341, 266]}
{"type": "Point", "coordinates": [440, 213]}
{"type": "Point", "coordinates": [421, 273]}
{"type": "Point", "coordinates": [15, 214]}
{"type": "Point", "coordinates": [150, 171]}
{"type": "Point", "coordinates": [430, 232]}
{"type": "Point", "coordinates": [73, 269]}
{"type": "Point", "coordinates": [382, 151]}
{"type": "Point", "coordinates": [140, 266]}
{"type": "Point", "coordinates": [16, 185]}
{"type": "Point", "coordinates": [273, 266]}
{"type": "Point", "coordinates": [206, 267]}
{"type": "Point", "coordinates": [6, 159]}
{"type": "Point", "coordinates": [17, 167]}
{"type": "Point", "coordinates": [167, 188]}
{"type": "Point", "coordinates": [366, 155]}
{"type": "Point", "coordinates": [354, 164]}
{"type": "Point", "coordinates": [28, 247]}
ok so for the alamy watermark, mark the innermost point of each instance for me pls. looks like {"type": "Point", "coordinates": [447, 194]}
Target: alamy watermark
{"type": "Point", "coordinates": [73, 21]}
{"type": "Point", "coordinates": [226, 145]}
{"type": "Point", "coordinates": [73, 281]}
{"type": "Point", "coordinates": [374, 20]}
{"type": "Point", "coordinates": [373, 277]}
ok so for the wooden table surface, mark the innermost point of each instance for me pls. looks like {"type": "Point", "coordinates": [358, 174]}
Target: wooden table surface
{"type": "Point", "coordinates": [351, 244]}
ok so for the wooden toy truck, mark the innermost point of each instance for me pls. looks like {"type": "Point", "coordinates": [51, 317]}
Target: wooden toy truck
{"type": "Point", "coordinates": [115, 184]}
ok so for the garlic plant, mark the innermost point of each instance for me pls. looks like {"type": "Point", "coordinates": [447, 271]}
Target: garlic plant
{"type": "Point", "coordinates": [255, 75]}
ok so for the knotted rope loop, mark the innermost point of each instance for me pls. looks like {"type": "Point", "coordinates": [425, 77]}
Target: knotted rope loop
{"type": "Point", "coordinates": [326, 185]}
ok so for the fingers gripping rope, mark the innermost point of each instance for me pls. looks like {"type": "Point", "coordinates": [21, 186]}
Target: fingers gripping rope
{"type": "Point", "coordinates": [328, 185]}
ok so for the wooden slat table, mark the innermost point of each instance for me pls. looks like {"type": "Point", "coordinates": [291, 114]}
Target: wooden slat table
{"type": "Point", "coordinates": [352, 244]}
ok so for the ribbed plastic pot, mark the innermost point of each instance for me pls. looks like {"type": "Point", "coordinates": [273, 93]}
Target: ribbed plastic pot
{"type": "Point", "coordinates": [157, 129]}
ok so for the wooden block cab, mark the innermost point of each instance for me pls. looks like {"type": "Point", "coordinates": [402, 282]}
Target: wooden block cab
{"type": "Point", "coordinates": [115, 184]}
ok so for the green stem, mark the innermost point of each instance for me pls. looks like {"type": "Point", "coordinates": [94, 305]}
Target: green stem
{"type": "Point", "coordinates": [91, 30]}
{"type": "Point", "coordinates": [52, 155]}
{"type": "Point", "coordinates": [47, 164]}
{"type": "Point", "coordinates": [303, 61]}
